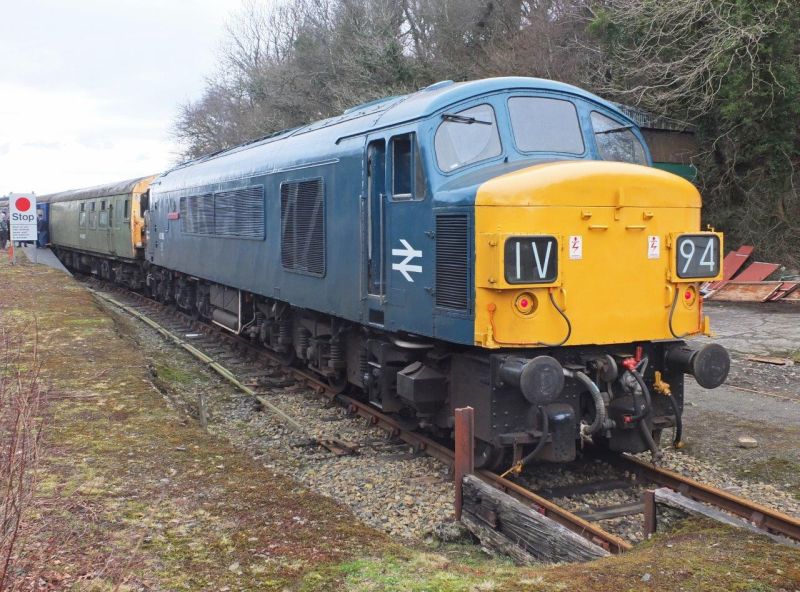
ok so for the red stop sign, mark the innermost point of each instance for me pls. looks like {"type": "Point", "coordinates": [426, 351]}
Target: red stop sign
{"type": "Point", "coordinates": [23, 204]}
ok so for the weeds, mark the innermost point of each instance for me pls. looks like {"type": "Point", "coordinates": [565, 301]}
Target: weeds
{"type": "Point", "coordinates": [21, 425]}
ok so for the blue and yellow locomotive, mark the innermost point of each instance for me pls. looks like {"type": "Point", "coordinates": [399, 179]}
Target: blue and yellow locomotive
{"type": "Point", "coordinates": [501, 243]}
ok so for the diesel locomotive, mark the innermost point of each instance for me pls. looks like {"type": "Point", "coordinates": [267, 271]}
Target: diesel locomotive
{"type": "Point", "coordinates": [502, 243]}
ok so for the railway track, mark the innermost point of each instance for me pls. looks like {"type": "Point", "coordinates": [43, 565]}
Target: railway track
{"type": "Point", "coordinates": [245, 363]}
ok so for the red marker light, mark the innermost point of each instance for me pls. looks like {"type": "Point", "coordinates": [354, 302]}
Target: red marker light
{"type": "Point", "coordinates": [23, 204]}
{"type": "Point", "coordinates": [525, 303]}
{"type": "Point", "coordinates": [690, 295]}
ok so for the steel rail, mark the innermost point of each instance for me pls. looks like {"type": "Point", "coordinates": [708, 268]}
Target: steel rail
{"type": "Point", "coordinates": [761, 516]}
{"type": "Point", "coordinates": [421, 443]}
{"type": "Point", "coordinates": [208, 360]}
{"type": "Point", "coordinates": [592, 532]}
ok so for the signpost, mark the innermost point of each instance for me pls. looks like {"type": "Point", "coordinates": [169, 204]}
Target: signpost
{"type": "Point", "coordinates": [22, 217]}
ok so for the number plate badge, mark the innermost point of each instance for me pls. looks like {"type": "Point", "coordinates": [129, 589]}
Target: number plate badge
{"type": "Point", "coordinates": [696, 256]}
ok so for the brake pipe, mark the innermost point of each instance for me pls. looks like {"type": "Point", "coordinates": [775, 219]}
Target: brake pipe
{"type": "Point", "coordinates": [597, 398]}
{"type": "Point", "coordinates": [663, 387]}
{"type": "Point", "coordinates": [516, 468]}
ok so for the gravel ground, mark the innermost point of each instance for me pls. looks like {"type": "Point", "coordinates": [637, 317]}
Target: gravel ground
{"type": "Point", "coordinates": [770, 380]}
{"type": "Point", "coordinates": [386, 485]}
{"type": "Point", "coordinates": [764, 493]}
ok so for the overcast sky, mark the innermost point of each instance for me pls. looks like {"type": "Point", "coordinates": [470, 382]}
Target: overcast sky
{"type": "Point", "coordinates": [89, 88]}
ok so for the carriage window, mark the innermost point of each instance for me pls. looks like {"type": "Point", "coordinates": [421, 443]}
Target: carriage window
{"type": "Point", "coordinates": [103, 222]}
{"type": "Point", "coordinates": [82, 216]}
{"type": "Point", "coordinates": [408, 176]}
{"type": "Point", "coordinates": [127, 211]}
{"type": "Point", "coordinates": [545, 125]}
{"type": "Point", "coordinates": [616, 141]}
{"type": "Point", "coordinates": [93, 215]}
{"type": "Point", "coordinates": [466, 137]}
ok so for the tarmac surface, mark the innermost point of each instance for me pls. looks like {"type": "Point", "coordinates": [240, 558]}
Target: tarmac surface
{"type": "Point", "coordinates": [765, 328]}
{"type": "Point", "coordinates": [42, 256]}
{"type": "Point", "coordinates": [759, 400]}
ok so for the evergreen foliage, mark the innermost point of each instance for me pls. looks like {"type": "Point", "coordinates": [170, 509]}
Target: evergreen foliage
{"type": "Point", "coordinates": [733, 68]}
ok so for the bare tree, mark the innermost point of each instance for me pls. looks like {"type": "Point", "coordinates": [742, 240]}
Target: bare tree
{"type": "Point", "coordinates": [732, 68]}
{"type": "Point", "coordinates": [680, 52]}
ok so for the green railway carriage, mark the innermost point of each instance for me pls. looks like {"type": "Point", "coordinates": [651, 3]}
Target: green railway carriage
{"type": "Point", "coordinates": [100, 230]}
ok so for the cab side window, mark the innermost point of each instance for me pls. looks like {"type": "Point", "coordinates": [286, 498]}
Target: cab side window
{"type": "Point", "coordinates": [408, 174]}
{"type": "Point", "coordinates": [466, 137]}
{"type": "Point", "coordinates": [616, 141]}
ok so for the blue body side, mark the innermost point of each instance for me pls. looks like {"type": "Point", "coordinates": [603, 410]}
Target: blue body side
{"type": "Point", "coordinates": [335, 150]}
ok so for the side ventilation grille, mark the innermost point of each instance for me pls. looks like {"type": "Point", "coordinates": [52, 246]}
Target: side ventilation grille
{"type": "Point", "coordinates": [240, 212]}
{"type": "Point", "coordinates": [197, 214]}
{"type": "Point", "coordinates": [303, 226]}
{"type": "Point", "coordinates": [452, 261]}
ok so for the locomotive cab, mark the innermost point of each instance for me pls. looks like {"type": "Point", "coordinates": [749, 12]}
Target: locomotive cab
{"type": "Point", "coordinates": [587, 272]}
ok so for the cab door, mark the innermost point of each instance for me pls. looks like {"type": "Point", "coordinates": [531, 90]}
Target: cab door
{"type": "Point", "coordinates": [409, 238]}
{"type": "Point", "coordinates": [373, 231]}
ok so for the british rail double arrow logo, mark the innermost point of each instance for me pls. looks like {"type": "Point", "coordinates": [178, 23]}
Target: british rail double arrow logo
{"type": "Point", "coordinates": [405, 267]}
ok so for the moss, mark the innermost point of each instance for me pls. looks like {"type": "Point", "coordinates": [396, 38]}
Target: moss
{"type": "Point", "coordinates": [132, 489]}
{"type": "Point", "coordinates": [135, 490]}
{"type": "Point", "coordinates": [90, 321]}
{"type": "Point", "coordinates": [695, 555]}
{"type": "Point", "coordinates": [169, 373]}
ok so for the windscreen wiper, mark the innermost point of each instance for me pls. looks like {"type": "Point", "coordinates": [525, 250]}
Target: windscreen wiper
{"type": "Point", "coordinates": [614, 129]}
{"type": "Point", "coordinates": [463, 119]}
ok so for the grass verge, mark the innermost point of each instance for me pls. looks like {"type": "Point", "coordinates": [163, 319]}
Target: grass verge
{"type": "Point", "coordinates": [133, 495]}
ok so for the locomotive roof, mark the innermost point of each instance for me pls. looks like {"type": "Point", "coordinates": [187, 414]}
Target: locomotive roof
{"type": "Point", "coordinates": [248, 160]}
{"type": "Point", "coordinates": [118, 188]}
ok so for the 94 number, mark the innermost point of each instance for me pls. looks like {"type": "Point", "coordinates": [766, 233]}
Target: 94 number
{"type": "Point", "coordinates": [698, 256]}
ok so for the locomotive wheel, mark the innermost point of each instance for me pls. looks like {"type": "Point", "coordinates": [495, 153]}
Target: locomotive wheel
{"type": "Point", "coordinates": [285, 358]}
{"type": "Point", "coordinates": [488, 457]}
{"type": "Point", "coordinates": [338, 383]}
